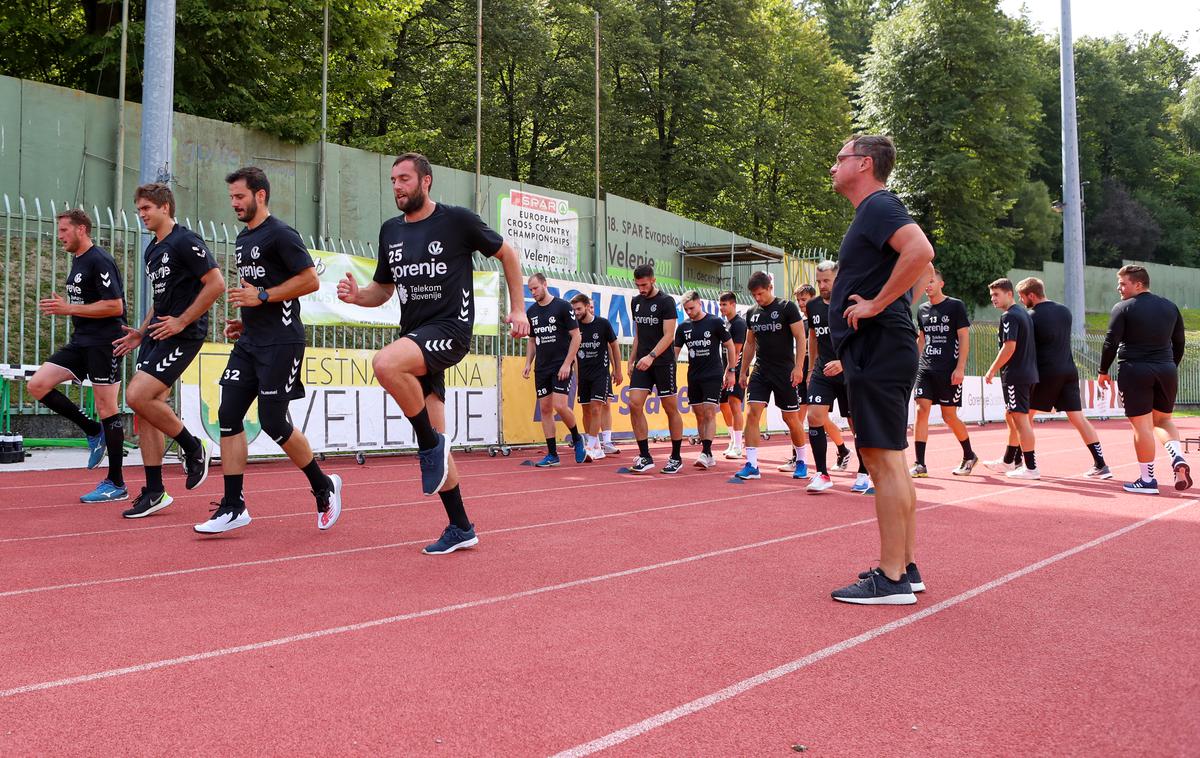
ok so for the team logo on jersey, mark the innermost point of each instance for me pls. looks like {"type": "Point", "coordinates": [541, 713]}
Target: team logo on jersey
{"type": "Point", "coordinates": [945, 319]}
{"type": "Point", "coordinates": [78, 278]}
{"type": "Point", "coordinates": [653, 307]}
{"type": "Point", "coordinates": [166, 257]}
{"type": "Point", "coordinates": [774, 315]}
{"type": "Point", "coordinates": [320, 267]}
{"type": "Point", "coordinates": [402, 293]}
{"type": "Point", "coordinates": [707, 335]}
{"type": "Point", "coordinates": [254, 253]}
{"type": "Point", "coordinates": [435, 248]}
{"type": "Point", "coordinates": [552, 319]}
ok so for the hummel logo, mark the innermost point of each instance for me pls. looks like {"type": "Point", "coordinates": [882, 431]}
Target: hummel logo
{"type": "Point", "coordinates": [464, 312]}
{"type": "Point", "coordinates": [286, 318]}
{"type": "Point", "coordinates": [436, 345]}
{"type": "Point", "coordinates": [291, 382]}
{"type": "Point", "coordinates": [165, 363]}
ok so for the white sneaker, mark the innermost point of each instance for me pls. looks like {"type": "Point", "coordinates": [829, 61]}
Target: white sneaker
{"type": "Point", "coordinates": [999, 466]}
{"type": "Point", "coordinates": [224, 520]}
{"type": "Point", "coordinates": [788, 466]}
{"type": "Point", "coordinates": [1024, 473]}
{"type": "Point", "coordinates": [597, 453]}
{"type": "Point", "coordinates": [735, 452]}
{"type": "Point", "coordinates": [820, 483]}
{"type": "Point", "coordinates": [609, 448]}
{"type": "Point", "coordinates": [705, 461]}
{"type": "Point", "coordinates": [333, 508]}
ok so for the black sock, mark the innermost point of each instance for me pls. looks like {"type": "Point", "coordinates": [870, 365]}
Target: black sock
{"type": "Point", "coordinates": [819, 442]}
{"type": "Point", "coordinates": [707, 446]}
{"type": "Point", "coordinates": [862, 465]}
{"type": "Point", "coordinates": [966, 446]}
{"type": "Point", "coordinates": [551, 446]}
{"type": "Point", "coordinates": [114, 440]}
{"type": "Point", "coordinates": [920, 446]}
{"type": "Point", "coordinates": [427, 438]}
{"type": "Point", "coordinates": [1030, 461]}
{"type": "Point", "coordinates": [675, 445]}
{"type": "Point", "coordinates": [644, 448]}
{"type": "Point", "coordinates": [574, 435]}
{"type": "Point", "coordinates": [1097, 454]}
{"type": "Point", "coordinates": [316, 477]}
{"type": "Point", "coordinates": [187, 441]}
{"type": "Point", "coordinates": [154, 482]}
{"type": "Point", "coordinates": [58, 402]}
{"type": "Point", "coordinates": [1011, 453]}
{"type": "Point", "coordinates": [233, 491]}
{"type": "Point", "coordinates": [455, 510]}
{"type": "Point", "coordinates": [842, 449]}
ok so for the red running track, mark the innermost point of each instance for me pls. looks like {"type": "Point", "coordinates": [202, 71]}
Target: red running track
{"type": "Point", "coordinates": [647, 616]}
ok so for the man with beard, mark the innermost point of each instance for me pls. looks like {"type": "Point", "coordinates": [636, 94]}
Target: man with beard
{"type": "Point", "coordinates": [274, 270]}
{"type": "Point", "coordinates": [599, 361]}
{"type": "Point", "coordinates": [425, 256]}
{"type": "Point", "coordinates": [552, 345]}
{"type": "Point", "coordinates": [825, 386]}
{"type": "Point", "coordinates": [707, 342]}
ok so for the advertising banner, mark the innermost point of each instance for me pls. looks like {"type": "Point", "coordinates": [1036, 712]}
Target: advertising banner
{"type": "Point", "coordinates": [544, 230]}
{"type": "Point", "coordinates": [344, 408]}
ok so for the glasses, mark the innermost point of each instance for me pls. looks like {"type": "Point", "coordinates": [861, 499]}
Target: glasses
{"type": "Point", "coordinates": [841, 158]}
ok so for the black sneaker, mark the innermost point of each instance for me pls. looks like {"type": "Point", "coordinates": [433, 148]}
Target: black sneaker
{"type": "Point", "coordinates": [195, 465]}
{"type": "Point", "coordinates": [911, 572]}
{"type": "Point", "coordinates": [876, 589]}
{"type": "Point", "coordinates": [674, 465]}
{"type": "Point", "coordinates": [1143, 487]}
{"type": "Point", "coordinates": [147, 503]}
{"type": "Point", "coordinates": [843, 461]}
{"type": "Point", "coordinates": [641, 465]}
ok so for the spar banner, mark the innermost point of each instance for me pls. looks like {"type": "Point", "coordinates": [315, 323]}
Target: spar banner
{"type": "Point", "coordinates": [322, 308]}
{"type": "Point", "coordinates": [344, 408]}
{"type": "Point", "coordinates": [545, 230]}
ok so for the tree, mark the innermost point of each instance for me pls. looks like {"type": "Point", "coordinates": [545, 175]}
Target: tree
{"type": "Point", "coordinates": [1122, 229]}
{"type": "Point", "coordinates": [1039, 228]}
{"type": "Point", "coordinates": [850, 24]}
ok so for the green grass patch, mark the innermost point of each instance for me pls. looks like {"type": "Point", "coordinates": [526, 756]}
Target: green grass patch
{"type": "Point", "coordinates": [1098, 322]}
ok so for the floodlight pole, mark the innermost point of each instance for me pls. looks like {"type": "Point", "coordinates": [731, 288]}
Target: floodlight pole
{"type": "Point", "coordinates": [478, 106]}
{"type": "Point", "coordinates": [119, 189]}
{"type": "Point", "coordinates": [158, 97]}
{"type": "Point", "coordinates": [322, 210]}
{"type": "Point", "coordinates": [597, 220]}
{"type": "Point", "coordinates": [1072, 211]}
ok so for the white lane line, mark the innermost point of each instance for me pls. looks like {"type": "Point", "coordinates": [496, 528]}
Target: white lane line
{"type": "Point", "coordinates": [634, 730]}
{"type": "Point", "coordinates": [222, 652]}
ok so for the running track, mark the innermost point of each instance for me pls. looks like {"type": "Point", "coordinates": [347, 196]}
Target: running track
{"type": "Point", "coordinates": [639, 616]}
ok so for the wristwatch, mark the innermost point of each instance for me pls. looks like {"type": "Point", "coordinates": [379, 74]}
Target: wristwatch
{"type": "Point", "coordinates": [262, 295]}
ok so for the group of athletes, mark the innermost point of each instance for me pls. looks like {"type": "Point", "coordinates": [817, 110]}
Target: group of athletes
{"type": "Point", "coordinates": [849, 340]}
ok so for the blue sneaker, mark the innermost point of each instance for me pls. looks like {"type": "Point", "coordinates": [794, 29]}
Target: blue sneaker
{"type": "Point", "coordinates": [861, 484]}
{"type": "Point", "coordinates": [435, 466]}
{"type": "Point", "coordinates": [580, 451]}
{"type": "Point", "coordinates": [870, 491]}
{"type": "Point", "coordinates": [1143, 487]}
{"type": "Point", "coordinates": [106, 492]}
{"type": "Point", "coordinates": [452, 539]}
{"type": "Point", "coordinates": [96, 449]}
{"type": "Point", "coordinates": [801, 471]}
{"type": "Point", "coordinates": [748, 472]}
{"type": "Point", "coordinates": [548, 461]}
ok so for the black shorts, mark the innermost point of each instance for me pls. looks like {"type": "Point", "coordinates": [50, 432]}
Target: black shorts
{"type": "Point", "coordinates": [1016, 397]}
{"type": "Point", "coordinates": [738, 391]}
{"type": "Point", "coordinates": [95, 363]}
{"type": "Point", "coordinates": [1148, 387]}
{"type": "Point", "coordinates": [763, 384]}
{"type": "Point", "coordinates": [166, 360]}
{"type": "Point", "coordinates": [272, 371]}
{"type": "Point", "coordinates": [936, 386]}
{"type": "Point", "coordinates": [595, 389]}
{"type": "Point", "coordinates": [824, 390]}
{"type": "Point", "coordinates": [1053, 392]}
{"type": "Point", "coordinates": [547, 382]}
{"type": "Point", "coordinates": [880, 366]}
{"type": "Point", "coordinates": [660, 377]}
{"type": "Point", "coordinates": [704, 390]}
{"type": "Point", "coordinates": [443, 344]}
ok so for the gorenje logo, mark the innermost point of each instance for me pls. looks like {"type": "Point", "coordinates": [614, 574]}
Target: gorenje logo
{"type": "Point", "coordinates": [428, 269]}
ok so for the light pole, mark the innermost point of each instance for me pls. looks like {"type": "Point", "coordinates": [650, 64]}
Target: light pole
{"type": "Point", "coordinates": [1072, 208]}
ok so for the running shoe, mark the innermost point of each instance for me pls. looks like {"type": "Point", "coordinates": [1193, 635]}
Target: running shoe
{"type": "Point", "coordinates": [736, 453]}
{"type": "Point", "coordinates": [106, 492]}
{"type": "Point", "coordinates": [861, 484]}
{"type": "Point", "coordinates": [918, 471]}
{"type": "Point", "coordinates": [1183, 474]}
{"type": "Point", "coordinates": [641, 465]}
{"type": "Point", "coordinates": [674, 466]}
{"type": "Point", "coordinates": [869, 491]}
{"type": "Point", "coordinates": [801, 470]}
{"type": "Point", "coordinates": [1099, 472]}
{"type": "Point", "coordinates": [548, 461]}
{"type": "Point", "coordinates": [224, 519]}
{"type": "Point", "coordinates": [966, 467]}
{"type": "Point", "coordinates": [147, 503]}
{"type": "Point", "coordinates": [705, 461]}
{"type": "Point", "coordinates": [1024, 473]}
{"type": "Point", "coordinates": [580, 451]}
{"type": "Point", "coordinates": [1000, 466]}
{"type": "Point", "coordinates": [820, 483]}
{"type": "Point", "coordinates": [748, 472]}
{"type": "Point", "coordinates": [435, 465]}
{"type": "Point", "coordinates": [329, 503]}
{"type": "Point", "coordinates": [452, 539]}
{"type": "Point", "coordinates": [788, 466]}
{"type": "Point", "coordinates": [843, 461]}
{"type": "Point", "coordinates": [1143, 487]}
{"type": "Point", "coordinates": [876, 589]}
{"type": "Point", "coordinates": [911, 572]}
{"type": "Point", "coordinates": [596, 453]}
{"type": "Point", "coordinates": [96, 449]}
{"type": "Point", "coordinates": [196, 465]}
{"type": "Point", "coordinates": [610, 449]}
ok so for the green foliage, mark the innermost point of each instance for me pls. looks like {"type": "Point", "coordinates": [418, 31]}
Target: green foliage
{"type": "Point", "coordinates": [970, 268]}
{"type": "Point", "coordinates": [1039, 228]}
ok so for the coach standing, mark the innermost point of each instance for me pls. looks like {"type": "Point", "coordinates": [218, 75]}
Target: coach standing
{"type": "Point", "coordinates": [882, 256]}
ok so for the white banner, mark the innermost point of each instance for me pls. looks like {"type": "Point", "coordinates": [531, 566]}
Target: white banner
{"type": "Point", "coordinates": [545, 230]}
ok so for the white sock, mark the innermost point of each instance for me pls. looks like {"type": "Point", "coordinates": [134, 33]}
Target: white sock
{"type": "Point", "coordinates": [752, 456]}
{"type": "Point", "coordinates": [606, 436]}
{"type": "Point", "coordinates": [1174, 449]}
{"type": "Point", "coordinates": [800, 453]}
{"type": "Point", "coordinates": [590, 442]}
{"type": "Point", "coordinates": [1147, 471]}
{"type": "Point", "coordinates": [737, 438]}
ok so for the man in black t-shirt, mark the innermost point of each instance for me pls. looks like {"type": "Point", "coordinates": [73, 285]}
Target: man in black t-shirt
{"type": "Point", "coordinates": [184, 283]}
{"type": "Point", "coordinates": [1058, 379]}
{"type": "Point", "coordinates": [95, 302]}
{"type": "Point", "coordinates": [652, 366]}
{"type": "Point", "coordinates": [274, 271]}
{"type": "Point", "coordinates": [944, 341]}
{"type": "Point", "coordinates": [599, 362]}
{"type": "Point", "coordinates": [425, 259]}
{"type": "Point", "coordinates": [1146, 336]}
{"type": "Point", "coordinates": [733, 398]}
{"type": "Point", "coordinates": [707, 342]}
{"type": "Point", "coordinates": [882, 256]}
{"type": "Point", "coordinates": [775, 337]}
{"type": "Point", "coordinates": [553, 342]}
{"type": "Point", "coordinates": [1017, 365]}
{"type": "Point", "coordinates": [825, 386]}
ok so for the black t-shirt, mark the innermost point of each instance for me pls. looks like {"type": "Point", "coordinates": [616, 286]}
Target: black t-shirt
{"type": "Point", "coordinates": [649, 313]}
{"type": "Point", "coordinates": [268, 255]}
{"type": "Point", "coordinates": [774, 346]}
{"type": "Point", "coordinates": [429, 262]}
{"type": "Point", "coordinates": [550, 328]}
{"type": "Point", "coordinates": [174, 267]}
{"type": "Point", "coordinates": [1017, 326]}
{"type": "Point", "coordinates": [94, 276]}
{"type": "Point", "coordinates": [818, 321]}
{"type": "Point", "coordinates": [865, 263]}
{"type": "Point", "coordinates": [1145, 328]}
{"type": "Point", "coordinates": [703, 340]}
{"type": "Point", "coordinates": [594, 338]}
{"type": "Point", "coordinates": [1052, 336]}
{"type": "Point", "coordinates": [737, 332]}
{"type": "Point", "coordinates": [940, 324]}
